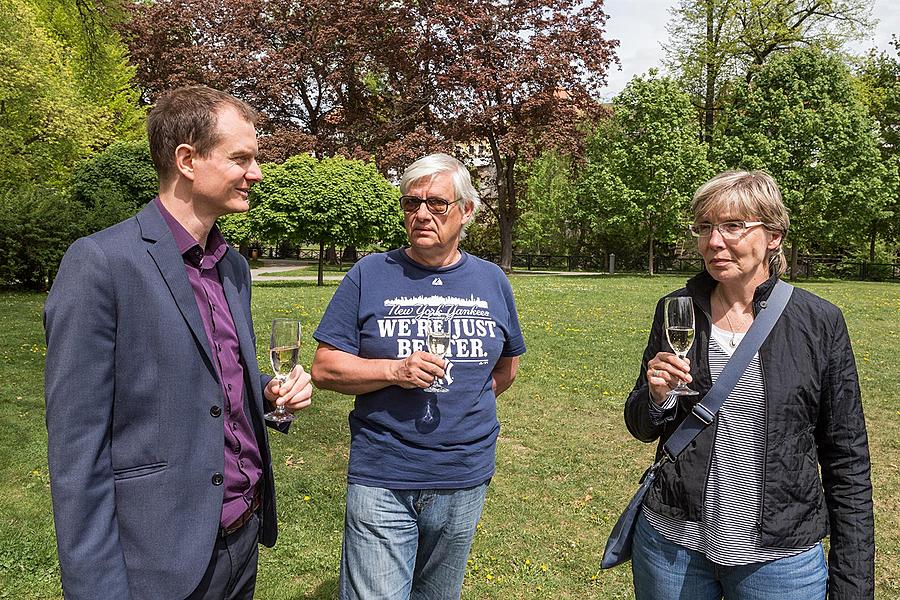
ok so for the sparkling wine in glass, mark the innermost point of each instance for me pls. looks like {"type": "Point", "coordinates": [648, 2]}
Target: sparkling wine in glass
{"type": "Point", "coordinates": [437, 339]}
{"type": "Point", "coordinates": [284, 353]}
{"type": "Point", "coordinates": [680, 333]}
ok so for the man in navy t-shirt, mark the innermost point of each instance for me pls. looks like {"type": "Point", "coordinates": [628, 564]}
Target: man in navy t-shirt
{"type": "Point", "coordinates": [424, 427]}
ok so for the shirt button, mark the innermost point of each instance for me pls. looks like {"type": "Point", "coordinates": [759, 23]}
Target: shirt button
{"type": "Point", "coordinates": [215, 411]}
{"type": "Point", "coordinates": [219, 347]}
{"type": "Point", "coordinates": [237, 448]}
{"type": "Point", "coordinates": [217, 479]}
{"type": "Point", "coordinates": [228, 386]}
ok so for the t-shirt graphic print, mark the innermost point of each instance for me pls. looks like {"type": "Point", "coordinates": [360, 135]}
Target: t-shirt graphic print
{"type": "Point", "coordinates": [384, 308]}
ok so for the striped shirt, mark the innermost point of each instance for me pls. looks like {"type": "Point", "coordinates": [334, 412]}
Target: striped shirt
{"type": "Point", "coordinates": [728, 534]}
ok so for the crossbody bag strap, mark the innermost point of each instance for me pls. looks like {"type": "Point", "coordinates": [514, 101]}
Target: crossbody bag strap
{"type": "Point", "coordinates": [704, 412]}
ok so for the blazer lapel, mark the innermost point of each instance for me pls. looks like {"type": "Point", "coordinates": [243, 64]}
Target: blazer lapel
{"type": "Point", "coordinates": [171, 266]}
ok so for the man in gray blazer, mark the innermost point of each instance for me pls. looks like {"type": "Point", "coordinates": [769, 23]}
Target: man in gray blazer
{"type": "Point", "coordinates": [160, 469]}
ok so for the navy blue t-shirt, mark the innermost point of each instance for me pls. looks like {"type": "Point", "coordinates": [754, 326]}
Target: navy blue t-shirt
{"type": "Point", "coordinates": [381, 310]}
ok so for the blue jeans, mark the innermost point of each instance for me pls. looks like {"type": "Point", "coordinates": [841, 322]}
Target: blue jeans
{"type": "Point", "coordinates": [402, 544]}
{"type": "Point", "coordinates": [666, 571]}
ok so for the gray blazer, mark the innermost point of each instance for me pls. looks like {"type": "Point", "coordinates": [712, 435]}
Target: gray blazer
{"type": "Point", "coordinates": [133, 443]}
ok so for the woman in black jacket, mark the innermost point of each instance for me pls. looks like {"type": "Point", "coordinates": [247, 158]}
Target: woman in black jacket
{"type": "Point", "coordinates": [742, 511]}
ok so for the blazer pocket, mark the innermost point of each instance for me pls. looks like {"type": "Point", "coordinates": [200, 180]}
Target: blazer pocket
{"type": "Point", "coordinates": [138, 471]}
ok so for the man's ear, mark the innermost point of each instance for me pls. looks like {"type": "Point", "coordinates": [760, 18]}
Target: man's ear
{"type": "Point", "coordinates": [184, 161]}
{"type": "Point", "coordinates": [468, 211]}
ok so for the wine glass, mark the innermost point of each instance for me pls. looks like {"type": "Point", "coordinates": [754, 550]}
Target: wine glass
{"type": "Point", "coordinates": [437, 338]}
{"type": "Point", "coordinates": [679, 315]}
{"type": "Point", "coordinates": [284, 352]}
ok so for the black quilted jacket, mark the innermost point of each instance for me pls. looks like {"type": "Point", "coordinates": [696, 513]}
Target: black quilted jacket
{"type": "Point", "coordinates": [814, 416]}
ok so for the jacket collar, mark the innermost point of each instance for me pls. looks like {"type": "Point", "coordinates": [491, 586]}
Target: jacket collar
{"type": "Point", "coordinates": [153, 226]}
{"type": "Point", "coordinates": [701, 285]}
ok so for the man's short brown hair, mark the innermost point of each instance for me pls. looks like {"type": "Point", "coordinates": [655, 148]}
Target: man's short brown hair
{"type": "Point", "coordinates": [189, 115]}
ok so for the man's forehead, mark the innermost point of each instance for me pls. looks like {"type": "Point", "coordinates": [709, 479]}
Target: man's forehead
{"type": "Point", "coordinates": [234, 131]}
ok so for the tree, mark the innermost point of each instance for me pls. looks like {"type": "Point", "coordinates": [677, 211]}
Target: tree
{"type": "Point", "coordinates": [43, 130]}
{"type": "Point", "coordinates": [547, 224]}
{"type": "Point", "coordinates": [332, 201]}
{"type": "Point", "coordinates": [715, 40]}
{"type": "Point", "coordinates": [394, 80]}
{"type": "Point", "coordinates": [309, 67]}
{"type": "Point", "coordinates": [37, 225]}
{"type": "Point", "coordinates": [802, 121]}
{"type": "Point", "coordinates": [645, 163]}
{"type": "Point", "coordinates": [55, 108]}
{"type": "Point", "coordinates": [879, 82]}
{"type": "Point", "coordinates": [520, 76]}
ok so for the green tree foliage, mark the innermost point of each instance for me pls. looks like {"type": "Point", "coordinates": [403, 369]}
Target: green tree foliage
{"type": "Point", "coordinates": [36, 227]}
{"type": "Point", "coordinates": [715, 40]}
{"type": "Point", "coordinates": [548, 224]}
{"type": "Point", "coordinates": [645, 163]}
{"type": "Point", "coordinates": [98, 61]}
{"type": "Point", "coordinates": [115, 183]}
{"type": "Point", "coordinates": [333, 202]}
{"type": "Point", "coordinates": [58, 100]}
{"type": "Point", "coordinates": [802, 121]}
{"type": "Point", "coordinates": [43, 129]}
{"type": "Point", "coordinates": [879, 81]}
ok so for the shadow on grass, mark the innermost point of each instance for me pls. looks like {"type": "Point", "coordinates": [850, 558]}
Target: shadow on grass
{"type": "Point", "coordinates": [327, 590]}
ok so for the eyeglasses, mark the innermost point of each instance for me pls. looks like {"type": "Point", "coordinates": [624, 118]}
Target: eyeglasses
{"type": "Point", "coordinates": [729, 230]}
{"type": "Point", "coordinates": [435, 205]}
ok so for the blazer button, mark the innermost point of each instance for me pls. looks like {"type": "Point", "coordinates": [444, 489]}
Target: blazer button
{"type": "Point", "coordinates": [215, 411]}
{"type": "Point", "coordinates": [217, 479]}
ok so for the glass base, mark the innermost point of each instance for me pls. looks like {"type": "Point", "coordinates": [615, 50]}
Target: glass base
{"type": "Point", "coordinates": [683, 391]}
{"type": "Point", "coordinates": [279, 416]}
{"type": "Point", "coordinates": [436, 388]}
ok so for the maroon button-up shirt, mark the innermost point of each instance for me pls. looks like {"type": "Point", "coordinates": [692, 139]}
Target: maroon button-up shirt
{"type": "Point", "coordinates": [243, 463]}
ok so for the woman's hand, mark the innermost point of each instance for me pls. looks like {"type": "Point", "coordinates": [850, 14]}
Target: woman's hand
{"type": "Point", "coordinates": [664, 371]}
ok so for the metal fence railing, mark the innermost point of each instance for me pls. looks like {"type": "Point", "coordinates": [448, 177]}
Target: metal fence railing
{"type": "Point", "coordinates": [811, 266]}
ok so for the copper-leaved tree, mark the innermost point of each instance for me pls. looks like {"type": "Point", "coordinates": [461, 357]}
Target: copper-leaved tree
{"type": "Point", "coordinates": [514, 77]}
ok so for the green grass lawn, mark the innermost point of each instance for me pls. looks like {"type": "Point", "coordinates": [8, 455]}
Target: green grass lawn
{"type": "Point", "coordinates": [566, 465]}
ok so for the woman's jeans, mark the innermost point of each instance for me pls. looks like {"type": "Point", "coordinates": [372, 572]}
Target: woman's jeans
{"type": "Point", "coordinates": [402, 544]}
{"type": "Point", "coordinates": [666, 571]}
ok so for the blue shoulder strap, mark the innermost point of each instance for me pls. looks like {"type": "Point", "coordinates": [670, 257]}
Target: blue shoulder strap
{"type": "Point", "coordinates": [704, 412]}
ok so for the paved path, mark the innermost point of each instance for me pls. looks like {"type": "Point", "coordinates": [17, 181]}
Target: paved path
{"type": "Point", "coordinates": [255, 274]}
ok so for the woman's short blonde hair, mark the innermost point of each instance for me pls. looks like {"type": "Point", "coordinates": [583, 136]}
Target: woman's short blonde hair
{"type": "Point", "coordinates": [750, 195]}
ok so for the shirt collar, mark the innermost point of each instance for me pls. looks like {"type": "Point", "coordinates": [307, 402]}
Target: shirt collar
{"type": "Point", "coordinates": [188, 247]}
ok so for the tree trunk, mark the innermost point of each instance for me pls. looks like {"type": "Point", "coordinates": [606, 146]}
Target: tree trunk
{"type": "Point", "coordinates": [794, 261]}
{"type": "Point", "coordinates": [321, 279]}
{"type": "Point", "coordinates": [650, 248]}
{"type": "Point", "coordinates": [331, 255]}
{"type": "Point", "coordinates": [504, 178]}
{"type": "Point", "coordinates": [348, 255]}
{"type": "Point", "coordinates": [506, 211]}
{"type": "Point", "coordinates": [873, 234]}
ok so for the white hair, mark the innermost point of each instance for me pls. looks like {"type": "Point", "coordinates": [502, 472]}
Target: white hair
{"type": "Point", "coordinates": [428, 167]}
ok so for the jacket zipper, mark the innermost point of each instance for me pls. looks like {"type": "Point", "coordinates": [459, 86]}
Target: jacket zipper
{"type": "Point", "coordinates": [709, 458]}
{"type": "Point", "coordinates": [762, 492]}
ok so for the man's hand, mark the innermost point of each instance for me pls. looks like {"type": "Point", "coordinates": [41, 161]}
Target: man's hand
{"type": "Point", "coordinates": [419, 370]}
{"type": "Point", "coordinates": [294, 394]}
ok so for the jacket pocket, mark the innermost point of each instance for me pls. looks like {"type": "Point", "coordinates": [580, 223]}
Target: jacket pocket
{"type": "Point", "coordinates": [138, 471]}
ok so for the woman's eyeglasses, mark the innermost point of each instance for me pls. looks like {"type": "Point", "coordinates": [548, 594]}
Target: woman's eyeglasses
{"type": "Point", "coordinates": [729, 230]}
{"type": "Point", "coordinates": [434, 204]}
